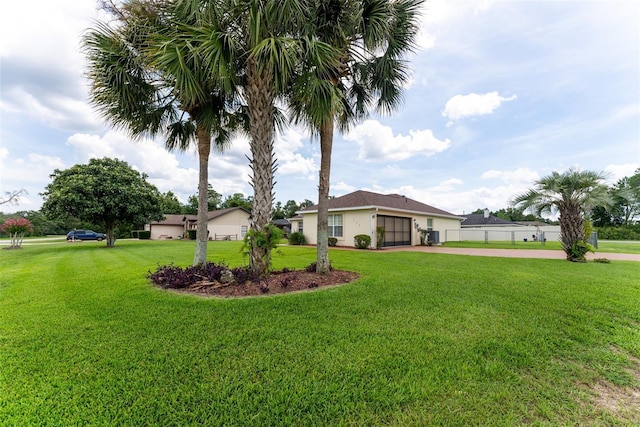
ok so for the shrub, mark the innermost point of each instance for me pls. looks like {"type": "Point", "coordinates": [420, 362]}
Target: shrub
{"type": "Point", "coordinates": [144, 235]}
{"type": "Point", "coordinates": [579, 250]}
{"type": "Point", "coordinates": [333, 241]}
{"type": "Point", "coordinates": [16, 229]}
{"type": "Point", "coordinates": [619, 233]}
{"type": "Point", "coordinates": [171, 276]}
{"type": "Point", "coordinates": [379, 237]}
{"type": "Point", "coordinates": [362, 241]}
{"type": "Point", "coordinates": [297, 238]}
{"type": "Point", "coordinates": [191, 234]}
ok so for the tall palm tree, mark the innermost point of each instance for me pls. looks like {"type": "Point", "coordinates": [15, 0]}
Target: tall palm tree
{"type": "Point", "coordinates": [571, 194]}
{"type": "Point", "coordinates": [265, 42]}
{"type": "Point", "coordinates": [371, 38]}
{"type": "Point", "coordinates": [148, 79]}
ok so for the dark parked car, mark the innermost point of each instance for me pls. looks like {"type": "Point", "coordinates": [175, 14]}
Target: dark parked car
{"type": "Point", "coordinates": [85, 235]}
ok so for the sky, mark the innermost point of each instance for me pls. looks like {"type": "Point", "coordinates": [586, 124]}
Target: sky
{"type": "Point", "coordinates": [502, 93]}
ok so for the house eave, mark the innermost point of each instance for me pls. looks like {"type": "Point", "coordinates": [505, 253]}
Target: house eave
{"type": "Point", "coordinates": [378, 208]}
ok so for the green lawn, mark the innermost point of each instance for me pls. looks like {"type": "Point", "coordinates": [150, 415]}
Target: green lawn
{"type": "Point", "coordinates": [605, 246]}
{"type": "Point", "coordinates": [420, 339]}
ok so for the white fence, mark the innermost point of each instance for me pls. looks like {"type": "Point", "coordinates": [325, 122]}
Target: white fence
{"type": "Point", "coordinates": [540, 234]}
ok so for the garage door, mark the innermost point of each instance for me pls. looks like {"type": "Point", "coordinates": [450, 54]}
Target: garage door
{"type": "Point", "coordinates": [397, 230]}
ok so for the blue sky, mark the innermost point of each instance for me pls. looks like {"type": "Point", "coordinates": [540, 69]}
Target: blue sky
{"type": "Point", "coordinates": [502, 93]}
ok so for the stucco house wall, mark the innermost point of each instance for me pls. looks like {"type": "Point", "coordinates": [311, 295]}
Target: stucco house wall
{"type": "Point", "coordinates": [364, 219]}
{"type": "Point", "coordinates": [233, 223]}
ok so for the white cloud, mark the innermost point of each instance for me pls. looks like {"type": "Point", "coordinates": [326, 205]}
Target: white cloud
{"type": "Point", "coordinates": [617, 172]}
{"type": "Point", "coordinates": [378, 143]}
{"type": "Point", "coordinates": [473, 104]}
{"type": "Point", "coordinates": [520, 175]}
{"type": "Point", "coordinates": [146, 156]}
{"type": "Point", "coordinates": [290, 160]}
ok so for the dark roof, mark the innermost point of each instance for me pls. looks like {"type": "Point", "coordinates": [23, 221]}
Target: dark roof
{"type": "Point", "coordinates": [175, 219]}
{"type": "Point", "coordinates": [479, 219]}
{"type": "Point", "coordinates": [367, 199]}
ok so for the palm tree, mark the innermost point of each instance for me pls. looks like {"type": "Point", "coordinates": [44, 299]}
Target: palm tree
{"type": "Point", "coordinates": [148, 79]}
{"type": "Point", "coordinates": [370, 39]}
{"type": "Point", "coordinates": [265, 42]}
{"type": "Point", "coordinates": [571, 194]}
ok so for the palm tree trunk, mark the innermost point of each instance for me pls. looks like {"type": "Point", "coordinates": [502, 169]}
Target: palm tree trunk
{"type": "Point", "coordinates": [204, 148]}
{"type": "Point", "coordinates": [260, 99]}
{"type": "Point", "coordinates": [326, 143]}
{"type": "Point", "coordinates": [571, 229]}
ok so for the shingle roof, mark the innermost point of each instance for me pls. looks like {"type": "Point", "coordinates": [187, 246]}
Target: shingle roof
{"type": "Point", "coordinates": [479, 219]}
{"type": "Point", "coordinates": [367, 199]}
{"type": "Point", "coordinates": [174, 219]}
{"type": "Point", "coordinates": [220, 212]}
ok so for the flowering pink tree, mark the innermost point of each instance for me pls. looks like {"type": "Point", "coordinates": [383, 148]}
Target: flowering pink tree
{"type": "Point", "coordinates": [16, 228]}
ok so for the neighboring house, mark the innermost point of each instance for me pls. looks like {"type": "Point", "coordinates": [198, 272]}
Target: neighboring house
{"type": "Point", "coordinates": [363, 212]}
{"type": "Point", "coordinates": [485, 220]}
{"type": "Point", "coordinates": [284, 225]}
{"type": "Point", "coordinates": [485, 227]}
{"type": "Point", "coordinates": [172, 226]}
{"type": "Point", "coordinates": [223, 224]}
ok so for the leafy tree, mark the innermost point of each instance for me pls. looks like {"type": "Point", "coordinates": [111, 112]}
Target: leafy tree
{"type": "Point", "coordinates": [624, 206]}
{"type": "Point", "coordinates": [107, 192]}
{"type": "Point", "coordinates": [290, 209]}
{"type": "Point", "coordinates": [148, 78]}
{"type": "Point", "coordinates": [571, 194]}
{"type": "Point", "coordinates": [278, 212]}
{"type": "Point", "coordinates": [370, 40]}
{"type": "Point", "coordinates": [191, 208]}
{"type": "Point", "coordinates": [16, 229]}
{"type": "Point", "coordinates": [237, 199]}
{"type": "Point", "coordinates": [171, 204]}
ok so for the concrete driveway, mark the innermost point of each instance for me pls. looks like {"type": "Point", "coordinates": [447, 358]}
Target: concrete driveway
{"type": "Point", "coordinates": [512, 253]}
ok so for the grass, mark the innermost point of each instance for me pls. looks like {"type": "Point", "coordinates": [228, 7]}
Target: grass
{"type": "Point", "coordinates": [605, 246]}
{"type": "Point", "coordinates": [420, 339]}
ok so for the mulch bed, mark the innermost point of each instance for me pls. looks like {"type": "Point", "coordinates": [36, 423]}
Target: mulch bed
{"type": "Point", "coordinates": [276, 283]}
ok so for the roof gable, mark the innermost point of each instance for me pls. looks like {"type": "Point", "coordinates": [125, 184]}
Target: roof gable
{"type": "Point", "coordinates": [220, 212]}
{"type": "Point", "coordinates": [367, 199]}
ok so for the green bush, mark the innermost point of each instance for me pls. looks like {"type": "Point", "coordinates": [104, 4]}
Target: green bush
{"type": "Point", "coordinates": [297, 238]}
{"type": "Point", "coordinates": [619, 233]}
{"type": "Point", "coordinates": [191, 234]}
{"type": "Point", "coordinates": [362, 241]}
{"type": "Point", "coordinates": [142, 234]}
{"type": "Point", "coordinates": [333, 241]}
{"type": "Point", "coordinates": [379, 237]}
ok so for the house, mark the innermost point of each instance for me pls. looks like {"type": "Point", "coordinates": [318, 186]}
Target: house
{"type": "Point", "coordinates": [485, 220]}
{"type": "Point", "coordinates": [222, 224]}
{"type": "Point", "coordinates": [284, 225]}
{"type": "Point", "coordinates": [172, 226]}
{"type": "Point", "coordinates": [364, 212]}
{"type": "Point", "coordinates": [486, 227]}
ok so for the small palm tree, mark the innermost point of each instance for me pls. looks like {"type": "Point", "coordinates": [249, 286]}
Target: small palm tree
{"type": "Point", "coordinates": [570, 194]}
{"type": "Point", "coordinates": [370, 40]}
{"type": "Point", "coordinates": [148, 79]}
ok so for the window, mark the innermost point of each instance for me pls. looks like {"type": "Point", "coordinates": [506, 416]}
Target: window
{"type": "Point", "coordinates": [300, 227]}
{"type": "Point", "coordinates": [335, 225]}
{"type": "Point", "coordinates": [243, 230]}
{"type": "Point", "coordinates": [429, 224]}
